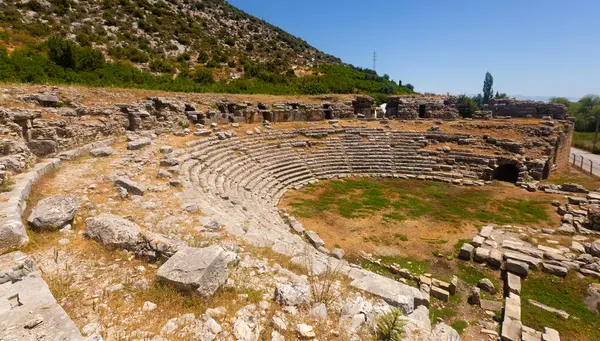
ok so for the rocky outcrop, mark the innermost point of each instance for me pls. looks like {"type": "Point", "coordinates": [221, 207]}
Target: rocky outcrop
{"type": "Point", "coordinates": [203, 271]}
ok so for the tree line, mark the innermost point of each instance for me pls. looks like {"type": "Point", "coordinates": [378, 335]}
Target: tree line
{"type": "Point", "coordinates": [586, 111]}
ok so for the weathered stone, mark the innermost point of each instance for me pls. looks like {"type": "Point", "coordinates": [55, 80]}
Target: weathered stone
{"type": "Point", "coordinates": [555, 270]}
{"type": "Point", "coordinates": [475, 298]}
{"type": "Point", "coordinates": [202, 270]}
{"type": "Point", "coordinates": [487, 286]}
{"type": "Point", "coordinates": [513, 283]}
{"type": "Point", "coordinates": [495, 259]}
{"type": "Point", "coordinates": [338, 253]}
{"type": "Point", "coordinates": [28, 311]}
{"type": "Point", "coordinates": [595, 248]}
{"type": "Point", "coordinates": [558, 312]}
{"type": "Point", "coordinates": [491, 305]}
{"type": "Point", "coordinates": [466, 252]}
{"type": "Point", "coordinates": [101, 152]}
{"type": "Point", "coordinates": [533, 263]}
{"type": "Point", "coordinates": [314, 238]}
{"type": "Point", "coordinates": [113, 231]}
{"type": "Point", "coordinates": [517, 267]}
{"type": "Point", "coordinates": [138, 144]}
{"type": "Point", "coordinates": [481, 255]}
{"type": "Point", "coordinates": [478, 241]}
{"type": "Point", "coordinates": [131, 186]}
{"type": "Point", "coordinates": [305, 331]}
{"type": "Point", "coordinates": [512, 307]}
{"type": "Point", "coordinates": [443, 332]}
{"type": "Point", "coordinates": [440, 294]}
{"type": "Point", "coordinates": [550, 335]}
{"type": "Point", "coordinates": [292, 295]}
{"type": "Point", "coordinates": [53, 213]}
{"type": "Point", "coordinates": [511, 330]}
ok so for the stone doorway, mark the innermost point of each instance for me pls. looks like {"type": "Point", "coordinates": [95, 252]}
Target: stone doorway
{"type": "Point", "coordinates": [507, 173]}
{"type": "Point", "coordinates": [422, 109]}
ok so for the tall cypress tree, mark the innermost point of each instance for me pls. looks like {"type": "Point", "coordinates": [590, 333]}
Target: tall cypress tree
{"type": "Point", "coordinates": [488, 91]}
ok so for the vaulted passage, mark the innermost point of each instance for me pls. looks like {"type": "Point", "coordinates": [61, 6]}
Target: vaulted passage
{"type": "Point", "coordinates": [508, 173]}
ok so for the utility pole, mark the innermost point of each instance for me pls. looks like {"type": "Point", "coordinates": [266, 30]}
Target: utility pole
{"type": "Point", "coordinates": [374, 60]}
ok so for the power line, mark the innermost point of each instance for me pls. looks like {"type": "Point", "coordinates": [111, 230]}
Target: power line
{"type": "Point", "coordinates": [374, 60]}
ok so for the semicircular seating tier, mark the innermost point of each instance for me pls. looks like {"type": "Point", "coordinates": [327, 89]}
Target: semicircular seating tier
{"type": "Point", "coordinates": [264, 167]}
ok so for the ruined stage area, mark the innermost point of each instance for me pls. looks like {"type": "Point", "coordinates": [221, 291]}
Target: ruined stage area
{"type": "Point", "coordinates": [156, 216]}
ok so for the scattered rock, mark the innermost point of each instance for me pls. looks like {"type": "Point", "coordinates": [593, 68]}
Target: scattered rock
{"type": "Point", "coordinates": [487, 286]}
{"type": "Point", "coordinates": [138, 144]}
{"type": "Point", "coordinates": [131, 186]}
{"type": "Point", "coordinates": [53, 213]}
{"type": "Point", "coordinates": [305, 331]}
{"type": "Point", "coordinates": [201, 270]}
{"type": "Point", "coordinates": [102, 152]}
{"type": "Point", "coordinates": [292, 295]}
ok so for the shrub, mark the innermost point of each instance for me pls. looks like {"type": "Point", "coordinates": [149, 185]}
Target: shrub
{"type": "Point", "coordinates": [203, 76]}
{"type": "Point", "coordinates": [390, 327]}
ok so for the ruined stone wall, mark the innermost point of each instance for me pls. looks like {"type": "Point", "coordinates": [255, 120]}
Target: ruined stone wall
{"type": "Point", "coordinates": [411, 108]}
{"type": "Point", "coordinates": [563, 149]}
{"type": "Point", "coordinates": [515, 108]}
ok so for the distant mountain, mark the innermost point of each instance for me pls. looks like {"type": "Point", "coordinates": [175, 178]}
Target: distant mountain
{"type": "Point", "coordinates": [541, 98]}
{"type": "Point", "coordinates": [177, 45]}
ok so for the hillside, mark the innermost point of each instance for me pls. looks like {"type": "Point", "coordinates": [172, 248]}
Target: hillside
{"type": "Point", "coordinates": [206, 45]}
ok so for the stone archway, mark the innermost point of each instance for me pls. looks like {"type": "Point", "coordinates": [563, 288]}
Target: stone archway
{"type": "Point", "coordinates": [507, 173]}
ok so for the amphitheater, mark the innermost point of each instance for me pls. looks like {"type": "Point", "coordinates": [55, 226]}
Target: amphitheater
{"type": "Point", "coordinates": [137, 201]}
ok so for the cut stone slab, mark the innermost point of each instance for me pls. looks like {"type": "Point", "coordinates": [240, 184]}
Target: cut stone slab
{"type": "Point", "coordinates": [131, 186]}
{"type": "Point", "coordinates": [533, 263]}
{"type": "Point", "coordinates": [491, 305]}
{"type": "Point", "coordinates": [481, 255]}
{"type": "Point", "coordinates": [28, 311]}
{"type": "Point", "coordinates": [516, 267]}
{"type": "Point", "coordinates": [440, 294]}
{"type": "Point", "coordinates": [466, 252]}
{"type": "Point", "coordinates": [555, 270]}
{"type": "Point", "coordinates": [550, 335]}
{"type": "Point", "coordinates": [495, 259]}
{"type": "Point", "coordinates": [202, 270]}
{"type": "Point", "coordinates": [520, 247]}
{"type": "Point", "coordinates": [53, 213]}
{"type": "Point", "coordinates": [486, 231]}
{"type": "Point", "coordinates": [138, 144]}
{"type": "Point", "coordinates": [513, 283]}
{"type": "Point", "coordinates": [561, 313]}
{"type": "Point", "coordinates": [512, 307]}
{"type": "Point", "coordinates": [511, 330]}
{"type": "Point", "coordinates": [292, 295]}
{"type": "Point", "coordinates": [314, 238]}
{"type": "Point", "coordinates": [487, 286]}
{"type": "Point", "coordinates": [395, 293]}
{"type": "Point", "coordinates": [478, 241]}
{"type": "Point", "coordinates": [102, 152]}
{"type": "Point", "coordinates": [113, 231]}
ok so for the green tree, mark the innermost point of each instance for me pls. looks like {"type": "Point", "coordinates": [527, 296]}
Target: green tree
{"type": "Point", "coordinates": [466, 106]}
{"type": "Point", "coordinates": [501, 95]}
{"type": "Point", "coordinates": [488, 88]}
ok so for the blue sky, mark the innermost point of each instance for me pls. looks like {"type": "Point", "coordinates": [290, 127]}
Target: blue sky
{"type": "Point", "coordinates": [531, 47]}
